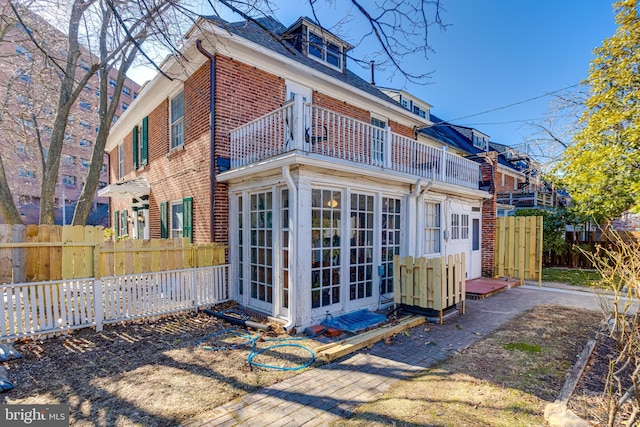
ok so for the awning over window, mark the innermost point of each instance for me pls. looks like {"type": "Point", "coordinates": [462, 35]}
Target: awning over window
{"type": "Point", "coordinates": [133, 188]}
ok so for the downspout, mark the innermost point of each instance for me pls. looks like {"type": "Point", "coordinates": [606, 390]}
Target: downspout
{"type": "Point", "coordinates": [293, 264]}
{"type": "Point", "coordinates": [212, 158]}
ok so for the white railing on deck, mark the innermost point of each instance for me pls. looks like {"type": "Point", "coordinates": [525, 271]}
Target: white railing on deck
{"type": "Point", "coordinates": [46, 308]}
{"type": "Point", "coordinates": [312, 129]}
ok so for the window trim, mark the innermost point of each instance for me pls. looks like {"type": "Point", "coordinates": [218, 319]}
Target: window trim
{"type": "Point", "coordinates": [323, 49]}
{"type": "Point", "coordinates": [176, 122]}
{"type": "Point", "coordinates": [121, 157]}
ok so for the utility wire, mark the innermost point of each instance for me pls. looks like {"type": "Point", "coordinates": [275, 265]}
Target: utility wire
{"type": "Point", "coordinates": [509, 105]}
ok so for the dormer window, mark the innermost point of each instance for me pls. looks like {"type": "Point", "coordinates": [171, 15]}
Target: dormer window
{"type": "Point", "coordinates": [317, 43]}
{"type": "Point", "coordinates": [324, 50]}
{"type": "Point", "coordinates": [480, 140]}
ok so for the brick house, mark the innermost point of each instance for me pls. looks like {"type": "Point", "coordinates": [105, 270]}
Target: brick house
{"type": "Point", "coordinates": [313, 176]}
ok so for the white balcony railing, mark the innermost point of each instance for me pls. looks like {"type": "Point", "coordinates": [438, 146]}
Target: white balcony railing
{"type": "Point", "coordinates": [325, 133]}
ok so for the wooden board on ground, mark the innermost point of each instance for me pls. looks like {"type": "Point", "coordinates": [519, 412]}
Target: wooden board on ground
{"type": "Point", "coordinates": [334, 351]}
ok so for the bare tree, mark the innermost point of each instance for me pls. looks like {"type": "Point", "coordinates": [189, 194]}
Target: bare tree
{"type": "Point", "coordinates": [108, 36]}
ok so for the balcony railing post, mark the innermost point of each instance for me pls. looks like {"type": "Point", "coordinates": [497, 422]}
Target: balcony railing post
{"type": "Point", "coordinates": [443, 166]}
{"type": "Point", "coordinates": [387, 148]}
{"type": "Point", "coordinates": [298, 123]}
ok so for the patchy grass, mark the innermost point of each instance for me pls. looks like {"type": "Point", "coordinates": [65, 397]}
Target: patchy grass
{"type": "Point", "coordinates": [576, 277]}
{"type": "Point", "coordinates": [523, 346]}
{"type": "Point", "coordinates": [486, 384]}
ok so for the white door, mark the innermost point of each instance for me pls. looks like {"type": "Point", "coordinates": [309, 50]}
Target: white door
{"type": "Point", "coordinates": [294, 90]}
{"type": "Point", "coordinates": [475, 261]}
{"type": "Point", "coordinates": [363, 274]}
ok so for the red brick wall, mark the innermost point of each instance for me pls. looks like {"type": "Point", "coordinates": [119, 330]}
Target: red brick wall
{"type": "Point", "coordinates": [489, 212]}
{"type": "Point", "coordinates": [183, 172]}
{"type": "Point", "coordinates": [243, 93]}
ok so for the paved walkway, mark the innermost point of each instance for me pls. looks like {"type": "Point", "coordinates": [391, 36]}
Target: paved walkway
{"type": "Point", "coordinates": [322, 395]}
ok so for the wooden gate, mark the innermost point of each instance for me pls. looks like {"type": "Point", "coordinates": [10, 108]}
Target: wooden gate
{"type": "Point", "coordinates": [435, 283]}
{"type": "Point", "coordinates": [518, 250]}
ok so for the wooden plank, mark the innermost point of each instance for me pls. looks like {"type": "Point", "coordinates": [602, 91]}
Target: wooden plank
{"type": "Point", "coordinates": [510, 243]}
{"type": "Point", "coordinates": [352, 344]}
{"type": "Point", "coordinates": [6, 236]}
{"type": "Point", "coordinates": [19, 254]}
{"type": "Point", "coordinates": [155, 255]}
{"type": "Point", "coordinates": [540, 227]}
{"type": "Point", "coordinates": [439, 274]}
{"type": "Point", "coordinates": [32, 258]}
{"type": "Point", "coordinates": [420, 282]}
{"type": "Point", "coordinates": [107, 260]}
{"type": "Point", "coordinates": [119, 268]}
{"type": "Point", "coordinates": [397, 287]}
{"type": "Point", "coordinates": [54, 265]}
{"type": "Point", "coordinates": [128, 256]}
{"type": "Point", "coordinates": [521, 248]}
{"type": "Point", "coordinates": [67, 252]}
{"type": "Point", "coordinates": [146, 256]}
{"type": "Point", "coordinates": [407, 280]}
{"type": "Point", "coordinates": [137, 256]}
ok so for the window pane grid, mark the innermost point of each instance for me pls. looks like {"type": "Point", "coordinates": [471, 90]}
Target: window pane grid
{"type": "Point", "coordinates": [432, 228]}
{"type": "Point", "coordinates": [361, 268]}
{"type": "Point", "coordinates": [390, 241]}
{"type": "Point", "coordinates": [325, 243]}
{"type": "Point", "coordinates": [261, 247]}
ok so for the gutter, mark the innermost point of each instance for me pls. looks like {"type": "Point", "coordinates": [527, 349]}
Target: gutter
{"type": "Point", "coordinates": [293, 267]}
{"type": "Point", "coordinates": [212, 158]}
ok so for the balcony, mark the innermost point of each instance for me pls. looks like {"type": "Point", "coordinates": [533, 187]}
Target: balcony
{"type": "Point", "coordinates": [543, 199]}
{"type": "Point", "coordinates": [325, 134]}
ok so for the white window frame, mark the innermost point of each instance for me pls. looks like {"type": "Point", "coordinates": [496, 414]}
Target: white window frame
{"type": "Point", "coordinates": [378, 138]}
{"type": "Point", "coordinates": [176, 125]}
{"type": "Point", "coordinates": [459, 226]}
{"type": "Point", "coordinates": [432, 227]}
{"type": "Point", "coordinates": [120, 160]}
{"type": "Point", "coordinates": [324, 51]}
{"type": "Point", "coordinates": [176, 230]}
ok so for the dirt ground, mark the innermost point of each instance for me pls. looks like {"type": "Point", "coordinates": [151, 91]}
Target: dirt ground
{"type": "Point", "coordinates": [147, 373]}
{"type": "Point", "coordinates": [163, 372]}
{"type": "Point", "coordinates": [505, 379]}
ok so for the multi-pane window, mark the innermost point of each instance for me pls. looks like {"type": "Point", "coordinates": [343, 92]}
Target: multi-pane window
{"type": "Point", "coordinates": [176, 219]}
{"type": "Point", "coordinates": [284, 230]}
{"type": "Point", "coordinates": [68, 159]}
{"type": "Point", "coordinates": [112, 82]}
{"type": "Point", "coordinates": [69, 180]}
{"type": "Point", "coordinates": [84, 163]}
{"type": "Point", "coordinates": [378, 136]}
{"type": "Point", "coordinates": [124, 106]}
{"type": "Point", "coordinates": [459, 226]}
{"type": "Point", "coordinates": [261, 262]}
{"type": "Point", "coordinates": [324, 50]}
{"type": "Point", "coordinates": [361, 262]}
{"type": "Point", "coordinates": [126, 90]}
{"type": "Point", "coordinates": [85, 143]}
{"type": "Point", "coordinates": [431, 228]}
{"type": "Point", "coordinates": [390, 241]}
{"type": "Point", "coordinates": [123, 229]}
{"type": "Point", "coordinates": [85, 105]}
{"type": "Point", "coordinates": [325, 244]}
{"type": "Point", "coordinates": [240, 247]}
{"type": "Point", "coordinates": [177, 122]}
{"type": "Point", "coordinates": [26, 173]}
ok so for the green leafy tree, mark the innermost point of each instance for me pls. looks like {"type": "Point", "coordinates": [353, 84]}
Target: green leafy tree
{"type": "Point", "coordinates": [601, 169]}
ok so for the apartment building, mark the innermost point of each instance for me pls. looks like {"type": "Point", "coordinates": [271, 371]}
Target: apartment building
{"type": "Point", "coordinates": [29, 89]}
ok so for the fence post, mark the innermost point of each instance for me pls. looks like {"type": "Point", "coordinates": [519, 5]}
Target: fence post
{"type": "Point", "coordinates": [98, 310]}
{"type": "Point", "coordinates": [19, 259]}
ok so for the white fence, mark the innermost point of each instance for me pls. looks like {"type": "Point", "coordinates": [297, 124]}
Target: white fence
{"type": "Point", "coordinates": [30, 309]}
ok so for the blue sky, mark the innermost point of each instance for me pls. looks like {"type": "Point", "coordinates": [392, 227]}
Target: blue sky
{"type": "Point", "coordinates": [494, 53]}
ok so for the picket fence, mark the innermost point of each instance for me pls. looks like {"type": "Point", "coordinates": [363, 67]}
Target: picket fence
{"type": "Point", "coordinates": [430, 283]}
{"type": "Point", "coordinates": [100, 282]}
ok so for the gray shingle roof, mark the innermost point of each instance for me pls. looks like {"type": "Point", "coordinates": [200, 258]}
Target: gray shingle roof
{"type": "Point", "coordinates": [272, 41]}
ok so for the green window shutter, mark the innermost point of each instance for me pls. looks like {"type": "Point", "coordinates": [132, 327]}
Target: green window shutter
{"type": "Point", "coordinates": [145, 142]}
{"type": "Point", "coordinates": [187, 218]}
{"type": "Point", "coordinates": [164, 220]}
{"type": "Point", "coordinates": [116, 223]}
{"type": "Point", "coordinates": [135, 147]}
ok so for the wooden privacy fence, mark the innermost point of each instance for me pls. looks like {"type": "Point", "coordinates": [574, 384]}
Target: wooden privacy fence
{"type": "Point", "coordinates": [518, 250]}
{"type": "Point", "coordinates": [35, 253]}
{"type": "Point", "coordinates": [429, 283]}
